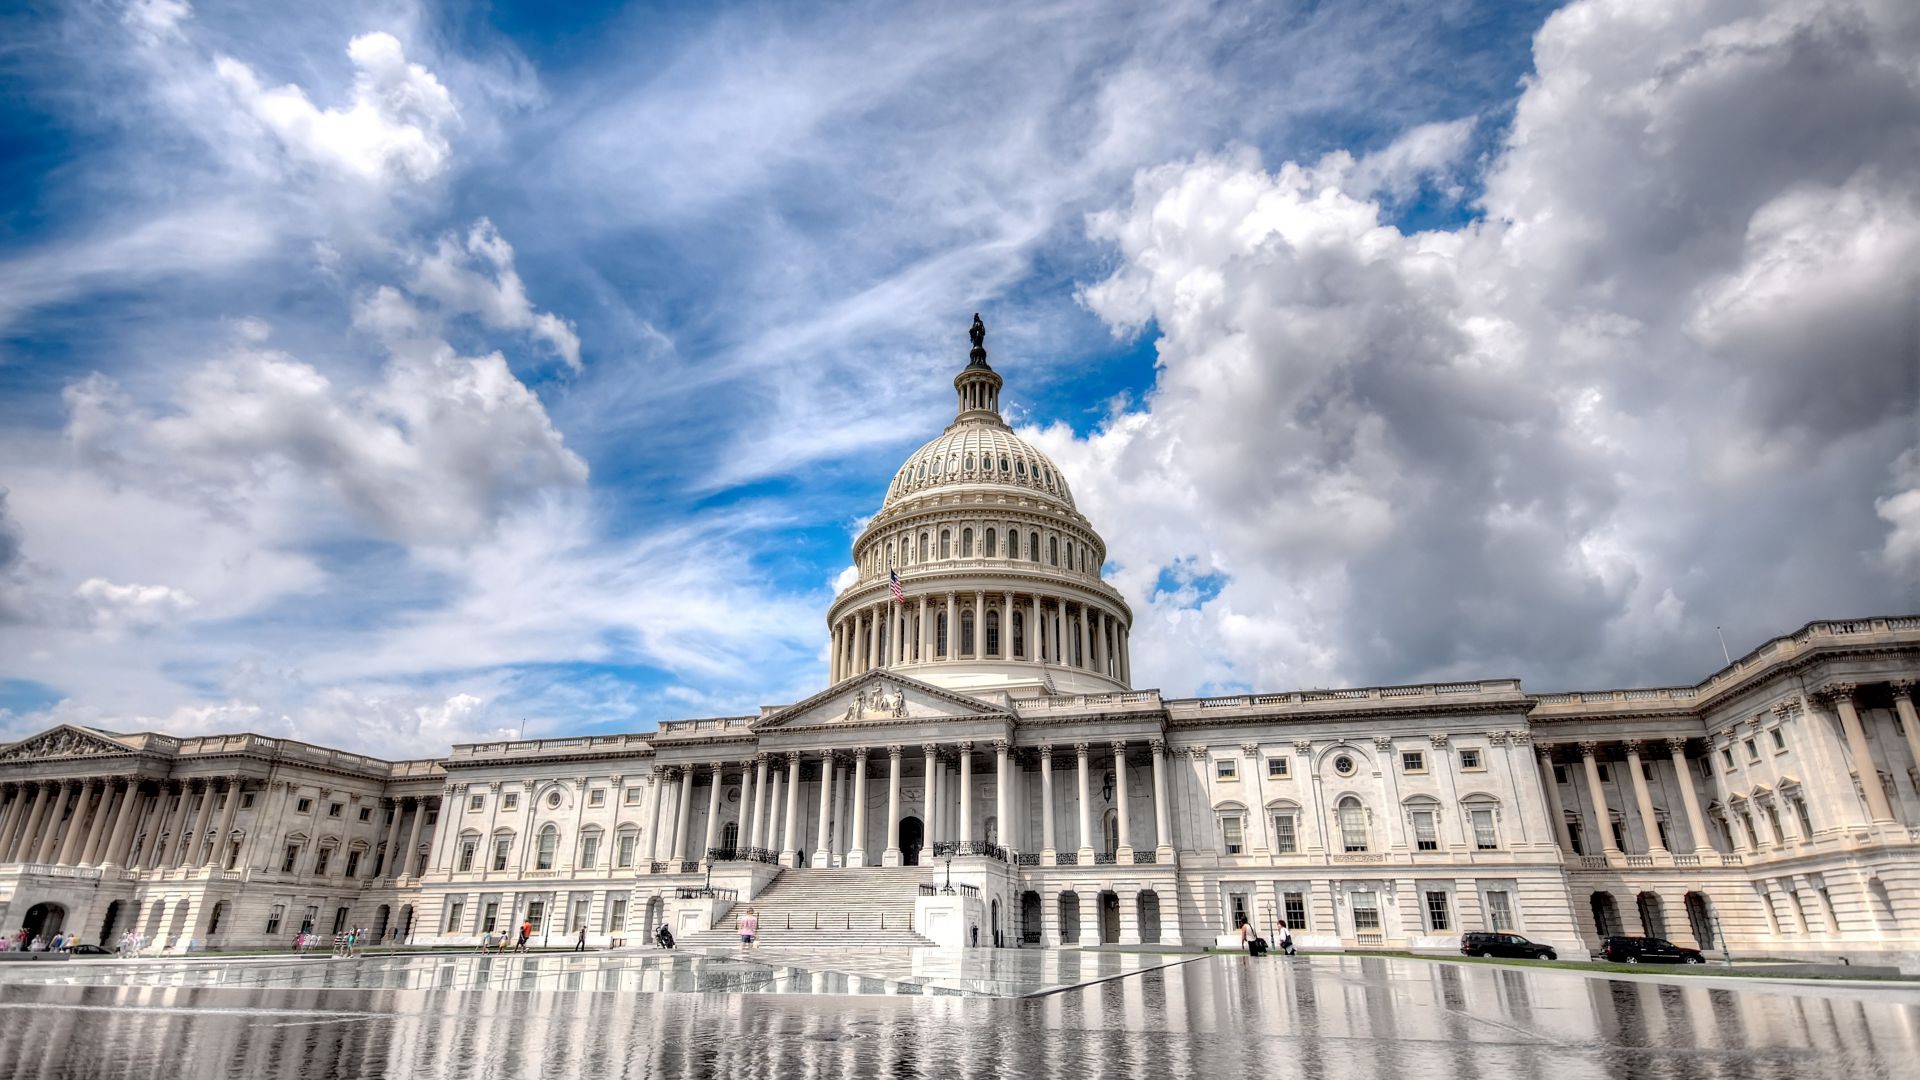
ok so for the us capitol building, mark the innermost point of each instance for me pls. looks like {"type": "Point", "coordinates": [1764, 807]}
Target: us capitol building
{"type": "Point", "coordinates": [980, 768]}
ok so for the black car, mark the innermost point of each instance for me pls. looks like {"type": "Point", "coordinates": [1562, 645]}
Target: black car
{"type": "Point", "coordinates": [90, 950]}
{"type": "Point", "coordinates": [1648, 950]}
{"type": "Point", "coordinates": [1484, 944]}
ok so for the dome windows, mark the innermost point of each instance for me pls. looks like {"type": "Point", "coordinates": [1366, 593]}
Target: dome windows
{"type": "Point", "coordinates": [969, 462]}
{"type": "Point", "coordinates": [1020, 469]}
{"type": "Point", "coordinates": [1033, 546]}
{"type": "Point", "coordinates": [923, 471]}
{"type": "Point", "coordinates": [991, 552]}
{"type": "Point", "coordinates": [1004, 463]}
{"type": "Point", "coordinates": [946, 544]}
{"type": "Point", "coordinates": [966, 543]}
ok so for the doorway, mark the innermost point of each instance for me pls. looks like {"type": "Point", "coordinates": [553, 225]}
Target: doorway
{"type": "Point", "coordinates": [912, 833]}
{"type": "Point", "coordinates": [107, 925]}
{"type": "Point", "coordinates": [1030, 918]}
{"type": "Point", "coordinates": [1109, 918]}
{"type": "Point", "coordinates": [1700, 919]}
{"type": "Point", "coordinates": [44, 920]}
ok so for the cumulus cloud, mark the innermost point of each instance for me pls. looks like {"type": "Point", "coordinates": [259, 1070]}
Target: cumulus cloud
{"type": "Point", "coordinates": [475, 275]}
{"type": "Point", "coordinates": [114, 608]}
{"type": "Point", "coordinates": [1654, 390]}
{"type": "Point", "coordinates": [395, 130]}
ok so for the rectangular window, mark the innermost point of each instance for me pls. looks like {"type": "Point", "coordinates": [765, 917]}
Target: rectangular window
{"type": "Point", "coordinates": [597, 797]}
{"type": "Point", "coordinates": [1559, 774]}
{"type": "Point", "coordinates": [589, 852]}
{"type": "Point", "coordinates": [366, 813]}
{"type": "Point", "coordinates": [1800, 811]}
{"type": "Point", "coordinates": [334, 809]}
{"type": "Point", "coordinates": [274, 916]}
{"type": "Point", "coordinates": [1425, 836]}
{"type": "Point", "coordinates": [303, 806]}
{"type": "Point", "coordinates": [1499, 911]}
{"type": "Point", "coordinates": [633, 796]}
{"type": "Point", "coordinates": [1437, 921]}
{"type": "Point", "coordinates": [1296, 907]}
{"type": "Point", "coordinates": [1277, 768]}
{"type": "Point", "coordinates": [1606, 774]}
{"type": "Point", "coordinates": [246, 800]}
{"type": "Point", "coordinates": [1286, 841]}
{"type": "Point", "coordinates": [1660, 822]}
{"type": "Point", "coordinates": [1484, 837]}
{"type": "Point", "coordinates": [1779, 740]}
{"type": "Point", "coordinates": [617, 915]}
{"type": "Point", "coordinates": [1230, 830]}
{"type": "Point", "coordinates": [320, 860]}
{"type": "Point", "coordinates": [500, 848]}
{"type": "Point", "coordinates": [1753, 752]}
{"type": "Point", "coordinates": [353, 862]}
{"type": "Point", "coordinates": [340, 920]}
{"type": "Point", "coordinates": [467, 848]}
{"type": "Point", "coordinates": [1705, 765]}
{"type": "Point", "coordinates": [490, 917]}
{"type": "Point", "coordinates": [577, 918]}
{"type": "Point", "coordinates": [1469, 760]}
{"type": "Point", "coordinates": [510, 801]}
{"type": "Point", "coordinates": [1620, 834]}
{"type": "Point", "coordinates": [1353, 827]}
{"type": "Point", "coordinates": [1575, 836]}
{"type": "Point", "coordinates": [626, 850]}
{"type": "Point", "coordinates": [1366, 918]}
{"type": "Point", "coordinates": [536, 913]}
{"type": "Point", "coordinates": [1726, 756]}
{"type": "Point", "coordinates": [311, 916]}
{"type": "Point", "coordinates": [293, 857]}
{"type": "Point", "coordinates": [474, 802]}
{"type": "Point", "coordinates": [1226, 769]}
{"type": "Point", "coordinates": [1413, 761]}
{"type": "Point", "coordinates": [1773, 822]}
{"type": "Point", "coordinates": [455, 909]}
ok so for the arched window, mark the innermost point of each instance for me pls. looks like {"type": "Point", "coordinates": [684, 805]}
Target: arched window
{"type": "Point", "coordinates": [1353, 825]}
{"type": "Point", "coordinates": [992, 546]}
{"type": "Point", "coordinates": [890, 560]}
{"type": "Point", "coordinates": [1020, 469]}
{"type": "Point", "coordinates": [549, 844]}
{"type": "Point", "coordinates": [923, 547]}
{"type": "Point", "coordinates": [940, 634]}
{"type": "Point", "coordinates": [966, 543]}
{"type": "Point", "coordinates": [966, 633]}
{"type": "Point", "coordinates": [1019, 636]}
{"type": "Point", "coordinates": [1053, 550]}
{"type": "Point", "coordinates": [993, 633]}
{"type": "Point", "coordinates": [1033, 546]}
{"type": "Point", "coordinates": [946, 544]}
{"type": "Point", "coordinates": [1005, 465]}
{"type": "Point", "coordinates": [969, 462]}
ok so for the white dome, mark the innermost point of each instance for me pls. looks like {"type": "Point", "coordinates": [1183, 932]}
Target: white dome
{"type": "Point", "coordinates": [978, 453]}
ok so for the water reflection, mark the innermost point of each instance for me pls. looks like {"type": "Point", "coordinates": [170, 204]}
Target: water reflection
{"type": "Point", "coordinates": [1327, 1017]}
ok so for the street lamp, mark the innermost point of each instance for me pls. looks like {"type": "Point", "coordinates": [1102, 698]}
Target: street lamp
{"type": "Point", "coordinates": [948, 891]}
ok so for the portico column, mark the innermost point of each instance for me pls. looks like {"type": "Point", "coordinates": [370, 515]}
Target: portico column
{"type": "Point", "coordinates": [16, 802]}
{"type": "Point", "coordinates": [822, 856]}
{"type": "Point", "coordinates": [1162, 824]}
{"type": "Point", "coordinates": [1841, 694]}
{"type": "Point", "coordinates": [1086, 642]}
{"type": "Point", "coordinates": [837, 834]}
{"type": "Point", "coordinates": [857, 843]}
{"type": "Point", "coordinates": [743, 836]}
{"type": "Point", "coordinates": [1696, 821]}
{"type": "Point", "coordinates": [199, 824]}
{"type": "Point", "coordinates": [20, 850]}
{"type": "Point", "coordinates": [682, 819]}
{"type": "Point", "coordinates": [979, 624]}
{"type": "Point", "coordinates": [1046, 805]}
{"type": "Point", "coordinates": [833, 664]}
{"type": "Point", "coordinates": [713, 816]}
{"type": "Point", "coordinates": [1035, 644]}
{"type": "Point", "coordinates": [1903, 708]}
{"type": "Point", "coordinates": [1603, 823]}
{"type": "Point", "coordinates": [891, 856]}
{"type": "Point", "coordinates": [932, 796]}
{"type": "Point", "coordinates": [226, 821]}
{"type": "Point", "coordinates": [1125, 848]}
{"type": "Point", "coordinates": [85, 823]}
{"type": "Point", "coordinates": [757, 837]}
{"type": "Point", "coordinates": [51, 831]}
{"type": "Point", "coordinates": [966, 793]}
{"type": "Point", "coordinates": [952, 651]}
{"type": "Point", "coordinates": [922, 650]}
{"type": "Point", "coordinates": [1097, 656]}
{"type": "Point", "coordinates": [412, 850]}
{"type": "Point", "coordinates": [789, 847]}
{"type": "Point", "coordinates": [1643, 802]}
{"type": "Point", "coordinates": [1006, 626]}
{"type": "Point", "coordinates": [174, 833]}
{"type": "Point", "coordinates": [1002, 780]}
{"type": "Point", "coordinates": [117, 840]}
{"type": "Point", "coordinates": [96, 834]}
{"type": "Point", "coordinates": [1555, 806]}
{"type": "Point", "coordinates": [1126, 655]}
{"type": "Point", "coordinates": [144, 811]}
{"type": "Point", "coordinates": [1086, 800]}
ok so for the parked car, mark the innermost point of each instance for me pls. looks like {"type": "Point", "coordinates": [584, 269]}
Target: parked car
{"type": "Point", "coordinates": [90, 950]}
{"type": "Point", "coordinates": [1648, 950]}
{"type": "Point", "coordinates": [1479, 943]}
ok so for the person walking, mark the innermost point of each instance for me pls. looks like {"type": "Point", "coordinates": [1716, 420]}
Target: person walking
{"type": "Point", "coordinates": [1286, 940]}
{"type": "Point", "coordinates": [526, 931]}
{"type": "Point", "coordinates": [749, 928]}
{"type": "Point", "coordinates": [580, 942]}
{"type": "Point", "coordinates": [1246, 937]}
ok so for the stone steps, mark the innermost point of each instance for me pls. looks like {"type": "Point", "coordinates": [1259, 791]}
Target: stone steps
{"type": "Point", "coordinates": [851, 908]}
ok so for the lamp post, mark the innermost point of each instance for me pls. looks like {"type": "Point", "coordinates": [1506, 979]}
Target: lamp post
{"type": "Point", "coordinates": [948, 891]}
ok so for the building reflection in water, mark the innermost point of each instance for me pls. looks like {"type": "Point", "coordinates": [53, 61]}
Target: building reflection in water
{"type": "Point", "coordinates": [1227, 1016]}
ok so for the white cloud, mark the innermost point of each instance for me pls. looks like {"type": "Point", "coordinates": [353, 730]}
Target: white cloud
{"type": "Point", "coordinates": [476, 276]}
{"type": "Point", "coordinates": [1651, 393]}
{"type": "Point", "coordinates": [395, 130]}
{"type": "Point", "coordinates": [116, 608]}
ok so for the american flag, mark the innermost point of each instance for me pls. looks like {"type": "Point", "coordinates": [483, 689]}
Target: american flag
{"type": "Point", "coordinates": [893, 582]}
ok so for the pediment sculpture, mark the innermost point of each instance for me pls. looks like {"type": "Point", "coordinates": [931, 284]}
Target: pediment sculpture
{"type": "Point", "coordinates": [65, 743]}
{"type": "Point", "coordinates": [879, 700]}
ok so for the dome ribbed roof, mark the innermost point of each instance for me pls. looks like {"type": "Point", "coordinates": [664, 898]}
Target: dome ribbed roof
{"type": "Point", "coordinates": [977, 454]}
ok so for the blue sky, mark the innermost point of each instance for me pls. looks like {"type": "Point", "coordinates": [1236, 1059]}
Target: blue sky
{"type": "Point", "coordinates": [388, 375]}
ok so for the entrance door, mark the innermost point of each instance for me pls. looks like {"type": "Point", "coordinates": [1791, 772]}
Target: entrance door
{"type": "Point", "coordinates": [911, 834]}
{"type": "Point", "coordinates": [107, 925]}
{"type": "Point", "coordinates": [1109, 918]}
{"type": "Point", "coordinates": [44, 920]}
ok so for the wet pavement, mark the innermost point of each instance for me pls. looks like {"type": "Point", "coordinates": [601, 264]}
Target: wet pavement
{"type": "Point", "coordinates": [1209, 1019]}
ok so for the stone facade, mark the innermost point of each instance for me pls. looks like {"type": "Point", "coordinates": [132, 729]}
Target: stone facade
{"type": "Point", "coordinates": [980, 725]}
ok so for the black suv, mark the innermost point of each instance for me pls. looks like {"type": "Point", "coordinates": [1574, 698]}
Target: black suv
{"type": "Point", "coordinates": [1484, 944]}
{"type": "Point", "coordinates": [1647, 950]}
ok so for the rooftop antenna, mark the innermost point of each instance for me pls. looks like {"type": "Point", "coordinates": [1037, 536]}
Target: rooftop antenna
{"type": "Point", "coordinates": [1723, 646]}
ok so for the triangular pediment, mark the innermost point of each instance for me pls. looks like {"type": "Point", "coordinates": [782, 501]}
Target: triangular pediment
{"type": "Point", "coordinates": [65, 741]}
{"type": "Point", "coordinates": [878, 697]}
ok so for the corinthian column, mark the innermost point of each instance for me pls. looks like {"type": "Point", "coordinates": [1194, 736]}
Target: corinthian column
{"type": "Point", "coordinates": [1643, 802]}
{"type": "Point", "coordinates": [1603, 822]}
{"type": "Point", "coordinates": [857, 843]}
{"type": "Point", "coordinates": [1841, 695]}
{"type": "Point", "coordinates": [1086, 801]}
{"type": "Point", "coordinates": [891, 856]}
{"type": "Point", "coordinates": [1125, 848]}
{"type": "Point", "coordinates": [789, 847]}
{"type": "Point", "coordinates": [1046, 804]}
{"type": "Point", "coordinates": [1696, 821]}
{"type": "Point", "coordinates": [966, 792]}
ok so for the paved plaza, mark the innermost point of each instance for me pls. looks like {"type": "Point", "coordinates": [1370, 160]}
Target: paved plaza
{"type": "Point", "coordinates": [865, 1014]}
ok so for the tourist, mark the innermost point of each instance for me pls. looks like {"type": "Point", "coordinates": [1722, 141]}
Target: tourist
{"type": "Point", "coordinates": [580, 943]}
{"type": "Point", "coordinates": [486, 941]}
{"type": "Point", "coordinates": [1286, 940]}
{"type": "Point", "coordinates": [663, 937]}
{"type": "Point", "coordinates": [749, 928]}
{"type": "Point", "coordinates": [59, 942]}
{"type": "Point", "coordinates": [526, 931]}
{"type": "Point", "coordinates": [1246, 937]}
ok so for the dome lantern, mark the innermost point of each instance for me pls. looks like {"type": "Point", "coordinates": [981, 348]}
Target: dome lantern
{"type": "Point", "coordinates": [977, 384]}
